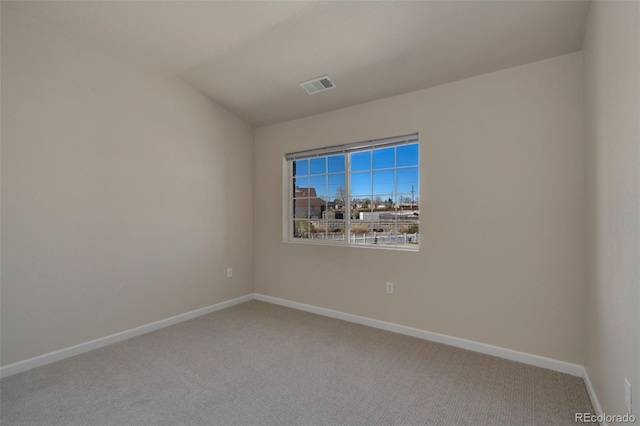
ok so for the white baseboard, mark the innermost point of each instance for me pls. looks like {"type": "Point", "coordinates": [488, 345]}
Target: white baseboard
{"type": "Point", "coordinates": [525, 358]}
{"type": "Point", "coordinates": [38, 361]}
{"type": "Point", "coordinates": [592, 395]}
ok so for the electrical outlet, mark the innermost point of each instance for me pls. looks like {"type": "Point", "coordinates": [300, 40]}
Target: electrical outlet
{"type": "Point", "coordinates": [627, 395]}
{"type": "Point", "coordinates": [229, 272]}
{"type": "Point", "coordinates": [389, 287]}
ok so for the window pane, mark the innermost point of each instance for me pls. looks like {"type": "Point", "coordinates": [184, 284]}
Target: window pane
{"type": "Point", "coordinates": [336, 187]}
{"type": "Point", "coordinates": [361, 183]}
{"type": "Point", "coordinates": [384, 182]}
{"type": "Point", "coordinates": [360, 226]}
{"type": "Point", "coordinates": [335, 229]}
{"type": "Point", "coordinates": [362, 232]}
{"type": "Point", "coordinates": [384, 158]}
{"type": "Point", "coordinates": [300, 167]}
{"type": "Point", "coordinates": [407, 200]}
{"type": "Point", "coordinates": [356, 205]}
{"type": "Point", "coordinates": [361, 161]}
{"type": "Point", "coordinates": [318, 229]}
{"type": "Point", "coordinates": [384, 203]}
{"type": "Point", "coordinates": [408, 180]}
{"type": "Point", "coordinates": [317, 206]}
{"type": "Point", "coordinates": [318, 165]}
{"type": "Point", "coordinates": [301, 182]}
{"type": "Point", "coordinates": [301, 208]}
{"type": "Point", "coordinates": [378, 202]}
{"type": "Point", "coordinates": [407, 155]}
{"type": "Point", "coordinates": [367, 205]}
{"type": "Point", "coordinates": [300, 193]}
{"type": "Point", "coordinates": [301, 228]}
{"type": "Point", "coordinates": [336, 163]}
{"type": "Point", "coordinates": [318, 186]}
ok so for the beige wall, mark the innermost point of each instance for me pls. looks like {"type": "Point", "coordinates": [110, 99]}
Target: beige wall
{"type": "Point", "coordinates": [612, 134]}
{"type": "Point", "coordinates": [502, 218]}
{"type": "Point", "coordinates": [125, 194]}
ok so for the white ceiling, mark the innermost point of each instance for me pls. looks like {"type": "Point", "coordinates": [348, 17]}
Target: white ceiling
{"type": "Point", "coordinates": [250, 56]}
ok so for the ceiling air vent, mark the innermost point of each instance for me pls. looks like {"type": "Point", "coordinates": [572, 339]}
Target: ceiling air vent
{"type": "Point", "coordinates": [319, 84]}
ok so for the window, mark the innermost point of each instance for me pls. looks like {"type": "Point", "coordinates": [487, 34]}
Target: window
{"type": "Point", "coordinates": [363, 194]}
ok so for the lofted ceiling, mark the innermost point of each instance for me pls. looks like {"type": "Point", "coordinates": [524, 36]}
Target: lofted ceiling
{"type": "Point", "coordinates": [250, 56]}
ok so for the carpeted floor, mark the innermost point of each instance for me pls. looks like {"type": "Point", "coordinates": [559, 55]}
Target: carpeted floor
{"type": "Point", "coordinates": [258, 363]}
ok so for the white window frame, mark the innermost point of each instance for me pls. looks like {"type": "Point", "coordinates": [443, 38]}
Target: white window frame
{"type": "Point", "coordinates": [347, 149]}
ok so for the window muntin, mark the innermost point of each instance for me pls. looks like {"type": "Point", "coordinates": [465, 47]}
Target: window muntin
{"type": "Point", "coordinates": [363, 194]}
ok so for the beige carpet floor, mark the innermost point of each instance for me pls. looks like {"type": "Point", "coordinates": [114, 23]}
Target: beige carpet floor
{"type": "Point", "coordinates": [262, 364]}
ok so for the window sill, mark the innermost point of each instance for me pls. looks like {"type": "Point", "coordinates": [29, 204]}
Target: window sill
{"type": "Point", "coordinates": [312, 242]}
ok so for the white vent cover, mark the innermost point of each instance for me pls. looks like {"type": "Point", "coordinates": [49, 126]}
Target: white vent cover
{"type": "Point", "coordinates": [319, 84]}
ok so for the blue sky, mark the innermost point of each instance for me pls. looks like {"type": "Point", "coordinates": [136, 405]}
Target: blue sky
{"type": "Point", "coordinates": [372, 173]}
